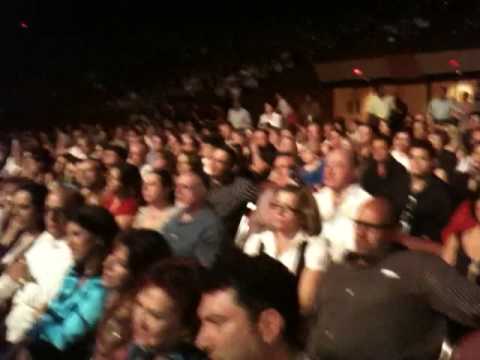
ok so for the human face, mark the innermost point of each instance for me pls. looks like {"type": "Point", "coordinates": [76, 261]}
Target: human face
{"type": "Point", "coordinates": [87, 174]}
{"type": "Point", "coordinates": [227, 332]}
{"type": "Point", "coordinates": [80, 241]}
{"type": "Point", "coordinates": [421, 163]}
{"type": "Point", "coordinates": [23, 210]}
{"type": "Point", "coordinates": [287, 145]}
{"type": "Point", "coordinates": [219, 163]}
{"type": "Point", "coordinates": [339, 171]}
{"type": "Point", "coordinates": [283, 166]}
{"type": "Point", "coordinates": [260, 138]}
{"type": "Point", "coordinates": [371, 230]}
{"type": "Point", "coordinates": [436, 141]}
{"type": "Point", "coordinates": [314, 132]}
{"type": "Point", "coordinates": [156, 322]}
{"type": "Point", "coordinates": [32, 167]}
{"type": "Point", "coordinates": [183, 164]}
{"type": "Point", "coordinates": [136, 154]}
{"type": "Point", "coordinates": [285, 212]}
{"type": "Point", "coordinates": [110, 158]}
{"type": "Point", "coordinates": [364, 135]}
{"type": "Point", "coordinates": [380, 151]}
{"type": "Point", "coordinates": [115, 271]}
{"type": "Point", "coordinates": [401, 142]}
{"type": "Point", "coordinates": [226, 131]}
{"type": "Point", "coordinates": [55, 221]}
{"type": "Point", "coordinates": [152, 189]}
{"type": "Point", "coordinates": [419, 130]}
{"type": "Point", "coordinates": [114, 183]}
{"type": "Point", "coordinates": [189, 190]}
{"type": "Point", "coordinates": [268, 108]}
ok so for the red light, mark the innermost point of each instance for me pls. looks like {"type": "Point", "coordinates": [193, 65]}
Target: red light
{"type": "Point", "coordinates": [23, 25]}
{"type": "Point", "coordinates": [454, 63]}
{"type": "Point", "coordinates": [357, 72]}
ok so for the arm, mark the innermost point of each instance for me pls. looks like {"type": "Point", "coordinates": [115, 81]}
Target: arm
{"type": "Point", "coordinates": [124, 221]}
{"type": "Point", "coordinates": [450, 250]}
{"type": "Point", "coordinates": [64, 330]}
{"type": "Point", "coordinates": [307, 289]}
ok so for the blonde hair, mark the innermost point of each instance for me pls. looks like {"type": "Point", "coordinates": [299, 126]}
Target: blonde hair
{"type": "Point", "coordinates": [308, 209]}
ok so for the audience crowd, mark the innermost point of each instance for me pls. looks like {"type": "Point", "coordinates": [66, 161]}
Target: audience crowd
{"type": "Point", "coordinates": [290, 236]}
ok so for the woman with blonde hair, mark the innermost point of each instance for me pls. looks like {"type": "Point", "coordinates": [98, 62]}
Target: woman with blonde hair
{"type": "Point", "coordinates": [293, 239]}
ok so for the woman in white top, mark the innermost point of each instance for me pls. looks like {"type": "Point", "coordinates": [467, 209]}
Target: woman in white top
{"type": "Point", "coordinates": [293, 239]}
{"type": "Point", "coordinates": [270, 118]}
{"type": "Point", "coordinates": [157, 191]}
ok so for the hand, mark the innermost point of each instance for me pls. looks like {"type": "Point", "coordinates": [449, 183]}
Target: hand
{"type": "Point", "coordinates": [18, 270]}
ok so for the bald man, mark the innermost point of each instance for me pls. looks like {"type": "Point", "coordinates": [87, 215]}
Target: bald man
{"type": "Point", "coordinates": [386, 302]}
{"type": "Point", "coordinates": [338, 202]}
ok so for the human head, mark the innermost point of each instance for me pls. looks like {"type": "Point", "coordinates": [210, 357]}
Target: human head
{"type": "Point", "coordinates": [191, 189]}
{"type": "Point", "coordinates": [268, 108]}
{"type": "Point", "coordinates": [375, 227]}
{"type": "Point", "coordinates": [114, 155]}
{"type": "Point", "coordinates": [287, 145]}
{"type": "Point", "coordinates": [225, 130]}
{"type": "Point", "coordinates": [222, 161]}
{"type": "Point", "coordinates": [124, 181]}
{"type": "Point", "coordinates": [90, 174]}
{"type": "Point", "coordinates": [293, 208]}
{"type": "Point", "coordinates": [422, 157]}
{"type": "Point", "coordinates": [158, 188]}
{"type": "Point", "coordinates": [58, 204]}
{"type": "Point", "coordinates": [340, 169]}
{"type": "Point", "coordinates": [380, 149]}
{"type": "Point", "coordinates": [187, 162]}
{"type": "Point", "coordinates": [314, 132]}
{"type": "Point", "coordinates": [249, 308]}
{"type": "Point", "coordinates": [401, 141]}
{"type": "Point", "coordinates": [442, 92]}
{"type": "Point", "coordinates": [28, 206]}
{"type": "Point", "coordinates": [85, 144]}
{"type": "Point", "coordinates": [164, 314]}
{"type": "Point", "coordinates": [364, 134]}
{"type": "Point", "coordinates": [134, 252]}
{"type": "Point", "coordinates": [439, 139]}
{"type": "Point", "coordinates": [90, 233]}
{"type": "Point", "coordinates": [36, 161]}
{"type": "Point", "coordinates": [420, 131]}
{"type": "Point", "coordinates": [260, 138]}
{"type": "Point", "coordinates": [137, 153]}
{"type": "Point", "coordinates": [283, 166]}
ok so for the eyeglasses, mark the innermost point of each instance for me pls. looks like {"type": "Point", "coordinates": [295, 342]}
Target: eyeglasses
{"type": "Point", "coordinates": [373, 226]}
{"type": "Point", "coordinates": [284, 208]}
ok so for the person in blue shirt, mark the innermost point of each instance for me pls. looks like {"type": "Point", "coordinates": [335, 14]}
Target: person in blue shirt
{"type": "Point", "coordinates": [70, 319]}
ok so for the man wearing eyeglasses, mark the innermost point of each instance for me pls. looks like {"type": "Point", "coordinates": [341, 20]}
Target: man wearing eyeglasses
{"type": "Point", "coordinates": [386, 302]}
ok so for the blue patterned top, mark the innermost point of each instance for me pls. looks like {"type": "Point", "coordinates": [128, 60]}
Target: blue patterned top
{"type": "Point", "coordinates": [73, 313]}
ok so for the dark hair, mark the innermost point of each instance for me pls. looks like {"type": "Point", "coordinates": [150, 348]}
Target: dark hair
{"type": "Point", "coordinates": [182, 280]}
{"type": "Point", "coordinates": [444, 137]}
{"type": "Point", "coordinates": [260, 283]}
{"type": "Point", "coordinates": [38, 194]}
{"type": "Point", "coordinates": [424, 145]}
{"type": "Point", "coordinates": [42, 156]}
{"type": "Point", "coordinates": [387, 140]}
{"type": "Point", "coordinates": [167, 183]}
{"type": "Point", "coordinates": [98, 221]}
{"type": "Point", "coordinates": [121, 152]}
{"type": "Point", "coordinates": [232, 155]}
{"type": "Point", "coordinates": [145, 247]}
{"type": "Point", "coordinates": [130, 179]}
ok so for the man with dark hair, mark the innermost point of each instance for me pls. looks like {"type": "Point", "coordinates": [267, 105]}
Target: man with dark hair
{"type": "Point", "coordinates": [228, 194]}
{"type": "Point", "coordinates": [385, 302]}
{"type": "Point", "coordinates": [249, 310]}
{"type": "Point", "coordinates": [196, 231]}
{"type": "Point", "coordinates": [384, 176]}
{"type": "Point", "coordinates": [428, 204]}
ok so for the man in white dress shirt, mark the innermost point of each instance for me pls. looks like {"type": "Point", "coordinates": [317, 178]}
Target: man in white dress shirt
{"type": "Point", "coordinates": [339, 201]}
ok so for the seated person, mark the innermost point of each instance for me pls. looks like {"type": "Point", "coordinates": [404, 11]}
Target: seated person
{"type": "Point", "coordinates": [134, 252]}
{"type": "Point", "coordinates": [70, 319]}
{"type": "Point", "coordinates": [165, 321]}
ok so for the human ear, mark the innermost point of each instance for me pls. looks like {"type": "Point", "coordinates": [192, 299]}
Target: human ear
{"type": "Point", "coordinates": [270, 325]}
